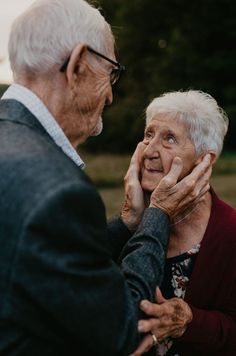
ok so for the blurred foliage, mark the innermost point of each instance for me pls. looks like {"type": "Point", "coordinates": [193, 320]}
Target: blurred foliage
{"type": "Point", "coordinates": [168, 45]}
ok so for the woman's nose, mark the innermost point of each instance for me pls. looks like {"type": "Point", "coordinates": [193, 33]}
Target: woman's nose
{"type": "Point", "coordinates": [152, 149]}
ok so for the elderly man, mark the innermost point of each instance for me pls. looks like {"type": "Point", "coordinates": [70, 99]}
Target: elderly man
{"type": "Point", "coordinates": [61, 291]}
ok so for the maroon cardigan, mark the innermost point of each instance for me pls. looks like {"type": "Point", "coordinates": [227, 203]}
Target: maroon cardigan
{"type": "Point", "coordinates": [211, 292]}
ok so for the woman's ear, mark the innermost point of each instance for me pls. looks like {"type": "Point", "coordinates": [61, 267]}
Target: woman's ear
{"type": "Point", "coordinates": [212, 154]}
{"type": "Point", "coordinates": [74, 67]}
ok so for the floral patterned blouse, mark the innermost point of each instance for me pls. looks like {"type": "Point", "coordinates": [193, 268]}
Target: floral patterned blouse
{"type": "Point", "coordinates": [178, 270]}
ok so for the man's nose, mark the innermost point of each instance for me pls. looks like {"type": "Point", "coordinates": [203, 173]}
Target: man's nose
{"type": "Point", "coordinates": [109, 98]}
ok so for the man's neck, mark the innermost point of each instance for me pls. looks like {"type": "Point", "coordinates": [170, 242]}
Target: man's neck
{"type": "Point", "coordinates": [50, 92]}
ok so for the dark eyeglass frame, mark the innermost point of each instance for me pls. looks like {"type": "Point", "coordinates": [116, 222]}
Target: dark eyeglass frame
{"type": "Point", "coordinates": [115, 73]}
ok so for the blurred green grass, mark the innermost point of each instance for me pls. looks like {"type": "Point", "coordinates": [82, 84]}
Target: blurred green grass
{"type": "Point", "coordinates": [108, 170]}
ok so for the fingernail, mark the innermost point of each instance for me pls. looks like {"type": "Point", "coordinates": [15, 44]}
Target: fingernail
{"type": "Point", "coordinates": [140, 326]}
{"type": "Point", "coordinates": [144, 305]}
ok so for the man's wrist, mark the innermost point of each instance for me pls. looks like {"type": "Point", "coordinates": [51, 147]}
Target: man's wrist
{"type": "Point", "coordinates": [154, 221]}
{"type": "Point", "coordinates": [157, 206]}
{"type": "Point", "coordinates": [130, 222]}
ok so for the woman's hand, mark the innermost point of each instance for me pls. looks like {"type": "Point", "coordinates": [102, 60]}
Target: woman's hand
{"type": "Point", "coordinates": [134, 205]}
{"type": "Point", "coordinates": [168, 318]}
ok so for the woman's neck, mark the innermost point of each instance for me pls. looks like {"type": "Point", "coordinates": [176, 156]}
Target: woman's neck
{"type": "Point", "coordinates": [188, 229]}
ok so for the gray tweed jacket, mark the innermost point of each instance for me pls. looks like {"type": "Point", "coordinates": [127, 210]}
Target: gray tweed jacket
{"type": "Point", "coordinates": [61, 291]}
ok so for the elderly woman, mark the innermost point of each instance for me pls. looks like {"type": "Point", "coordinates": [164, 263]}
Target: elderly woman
{"type": "Point", "coordinates": [196, 310]}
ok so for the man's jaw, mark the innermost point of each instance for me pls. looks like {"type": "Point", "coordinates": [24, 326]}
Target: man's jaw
{"type": "Point", "coordinates": [98, 128]}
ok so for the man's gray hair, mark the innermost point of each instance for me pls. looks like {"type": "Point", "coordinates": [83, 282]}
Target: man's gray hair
{"type": "Point", "coordinates": [205, 121]}
{"type": "Point", "coordinates": [45, 34]}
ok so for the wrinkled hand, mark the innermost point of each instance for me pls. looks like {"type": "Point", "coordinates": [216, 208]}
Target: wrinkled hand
{"type": "Point", "coordinates": [134, 205]}
{"type": "Point", "coordinates": [175, 198]}
{"type": "Point", "coordinates": [168, 318]}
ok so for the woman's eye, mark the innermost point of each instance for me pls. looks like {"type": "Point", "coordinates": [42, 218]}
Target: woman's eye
{"type": "Point", "coordinates": [170, 139]}
{"type": "Point", "coordinates": [148, 136]}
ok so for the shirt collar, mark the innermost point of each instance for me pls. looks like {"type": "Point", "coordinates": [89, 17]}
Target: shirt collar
{"type": "Point", "coordinates": [40, 111]}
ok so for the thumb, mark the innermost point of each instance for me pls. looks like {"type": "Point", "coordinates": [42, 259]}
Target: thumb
{"type": "Point", "coordinates": [134, 166]}
{"type": "Point", "coordinates": [174, 172]}
{"type": "Point", "coordinates": [159, 297]}
{"type": "Point", "coordinates": [138, 152]}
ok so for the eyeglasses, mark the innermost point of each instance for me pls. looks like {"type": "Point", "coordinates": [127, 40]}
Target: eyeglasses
{"type": "Point", "coordinates": [115, 73]}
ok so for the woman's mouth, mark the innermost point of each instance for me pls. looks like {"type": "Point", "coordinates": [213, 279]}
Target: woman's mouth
{"type": "Point", "coordinates": [154, 169]}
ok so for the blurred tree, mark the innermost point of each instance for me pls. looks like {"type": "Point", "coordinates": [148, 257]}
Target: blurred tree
{"type": "Point", "coordinates": [3, 88]}
{"type": "Point", "coordinates": [168, 45]}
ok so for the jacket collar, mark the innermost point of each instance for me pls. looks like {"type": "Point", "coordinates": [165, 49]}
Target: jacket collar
{"type": "Point", "coordinates": [13, 110]}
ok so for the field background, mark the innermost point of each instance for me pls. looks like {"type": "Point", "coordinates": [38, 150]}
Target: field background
{"type": "Point", "coordinates": [107, 172]}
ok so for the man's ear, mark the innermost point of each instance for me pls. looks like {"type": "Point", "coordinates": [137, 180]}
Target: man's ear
{"type": "Point", "coordinates": [212, 154]}
{"type": "Point", "coordinates": [74, 67]}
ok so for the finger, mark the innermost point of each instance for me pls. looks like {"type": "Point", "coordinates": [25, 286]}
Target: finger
{"type": "Point", "coordinates": [144, 346]}
{"type": "Point", "coordinates": [144, 326]}
{"type": "Point", "coordinates": [172, 177]}
{"type": "Point", "coordinates": [163, 328]}
{"type": "Point", "coordinates": [203, 183]}
{"type": "Point", "coordinates": [207, 161]}
{"type": "Point", "coordinates": [134, 166]}
{"type": "Point", "coordinates": [159, 297]}
{"type": "Point", "coordinates": [202, 194]}
{"type": "Point", "coordinates": [136, 155]}
{"type": "Point", "coordinates": [208, 171]}
{"type": "Point", "coordinates": [197, 179]}
{"type": "Point", "coordinates": [204, 179]}
{"type": "Point", "coordinates": [197, 195]}
{"type": "Point", "coordinates": [149, 308]}
{"type": "Point", "coordinates": [201, 168]}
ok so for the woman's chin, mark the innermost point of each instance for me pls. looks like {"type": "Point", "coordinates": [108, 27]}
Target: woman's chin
{"type": "Point", "coordinates": [148, 187]}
